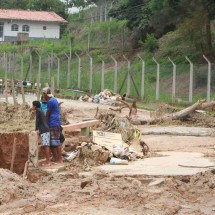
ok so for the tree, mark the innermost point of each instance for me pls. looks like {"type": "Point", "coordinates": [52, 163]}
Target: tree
{"type": "Point", "coordinates": [206, 8]}
{"type": "Point", "coordinates": [84, 3]}
{"type": "Point", "coordinates": [45, 5]}
{"type": "Point", "coordinates": [49, 5]}
{"type": "Point", "coordinates": [14, 4]}
{"type": "Point", "coordinates": [162, 16]}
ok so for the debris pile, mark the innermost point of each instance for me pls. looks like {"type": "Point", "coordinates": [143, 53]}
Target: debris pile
{"type": "Point", "coordinates": [112, 122]}
{"type": "Point", "coordinates": [12, 186]}
{"type": "Point", "coordinates": [104, 97]}
{"type": "Point", "coordinates": [114, 137]}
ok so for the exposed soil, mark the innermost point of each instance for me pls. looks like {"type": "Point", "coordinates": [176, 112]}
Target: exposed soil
{"type": "Point", "coordinates": [13, 144]}
{"type": "Point", "coordinates": [80, 190]}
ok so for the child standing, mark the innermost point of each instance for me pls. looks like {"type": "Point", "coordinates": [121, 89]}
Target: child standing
{"type": "Point", "coordinates": [43, 128]}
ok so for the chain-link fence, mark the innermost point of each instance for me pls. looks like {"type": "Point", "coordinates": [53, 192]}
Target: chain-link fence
{"type": "Point", "coordinates": [162, 82]}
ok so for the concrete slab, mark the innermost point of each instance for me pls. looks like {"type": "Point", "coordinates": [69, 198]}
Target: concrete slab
{"type": "Point", "coordinates": [167, 165]}
{"type": "Point", "coordinates": [185, 131]}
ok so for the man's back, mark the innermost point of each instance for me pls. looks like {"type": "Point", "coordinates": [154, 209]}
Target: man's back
{"type": "Point", "coordinates": [54, 109]}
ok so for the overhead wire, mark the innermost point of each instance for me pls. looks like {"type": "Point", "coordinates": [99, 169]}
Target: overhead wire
{"type": "Point", "coordinates": [116, 11]}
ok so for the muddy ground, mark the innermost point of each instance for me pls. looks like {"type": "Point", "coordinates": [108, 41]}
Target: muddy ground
{"type": "Point", "coordinates": [102, 193]}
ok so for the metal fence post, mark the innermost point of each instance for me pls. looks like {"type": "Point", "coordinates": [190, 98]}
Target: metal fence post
{"type": "Point", "coordinates": [30, 68]}
{"type": "Point", "coordinates": [209, 79]}
{"type": "Point", "coordinates": [52, 84]}
{"type": "Point", "coordinates": [22, 88]}
{"type": "Point", "coordinates": [58, 72]}
{"type": "Point", "coordinates": [49, 68]}
{"type": "Point", "coordinates": [142, 79]}
{"type": "Point", "coordinates": [69, 70]}
{"type": "Point", "coordinates": [103, 75]}
{"type": "Point", "coordinates": [13, 60]}
{"type": "Point", "coordinates": [157, 79]}
{"type": "Point", "coordinates": [79, 71]}
{"type": "Point", "coordinates": [5, 76]}
{"type": "Point", "coordinates": [38, 76]}
{"type": "Point", "coordinates": [173, 80]}
{"type": "Point", "coordinates": [128, 76]}
{"type": "Point", "coordinates": [115, 73]}
{"type": "Point", "coordinates": [191, 80]}
{"type": "Point", "coordinates": [91, 73]}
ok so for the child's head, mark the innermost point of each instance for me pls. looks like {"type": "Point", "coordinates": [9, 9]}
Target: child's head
{"type": "Point", "coordinates": [36, 104]}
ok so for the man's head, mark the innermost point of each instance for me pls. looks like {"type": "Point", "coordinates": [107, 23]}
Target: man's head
{"type": "Point", "coordinates": [35, 105]}
{"type": "Point", "coordinates": [47, 93]}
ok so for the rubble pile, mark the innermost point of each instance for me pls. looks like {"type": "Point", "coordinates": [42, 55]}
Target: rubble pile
{"type": "Point", "coordinates": [104, 97]}
{"type": "Point", "coordinates": [112, 122]}
{"type": "Point", "coordinates": [12, 186]}
{"type": "Point", "coordinates": [128, 147]}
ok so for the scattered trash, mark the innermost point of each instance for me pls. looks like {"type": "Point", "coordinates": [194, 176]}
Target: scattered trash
{"type": "Point", "coordinates": [118, 161]}
{"type": "Point", "coordinates": [69, 156]}
{"type": "Point", "coordinates": [104, 97]}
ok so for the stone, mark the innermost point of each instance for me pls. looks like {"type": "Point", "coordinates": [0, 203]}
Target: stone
{"type": "Point", "coordinates": [156, 182]}
{"type": "Point", "coordinates": [95, 152]}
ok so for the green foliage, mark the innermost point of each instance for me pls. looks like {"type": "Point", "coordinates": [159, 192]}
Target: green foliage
{"type": "Point", "coordinates": [83, 3]}
{"type": "Point", "coordinates": [150, 44]}
{"type": "Point", "coordinates": [45, 5]}
{"type": "Point", "coordinates": [14, 4]}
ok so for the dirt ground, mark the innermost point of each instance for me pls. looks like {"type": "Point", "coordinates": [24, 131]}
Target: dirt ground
{"type": "Point", "coordinates": [103, 193]}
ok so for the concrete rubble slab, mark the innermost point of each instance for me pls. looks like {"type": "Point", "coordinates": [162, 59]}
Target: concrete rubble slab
{"type": "Point", "coordinates": [166, 165]}
{"type": "Point", "coordinates": [54, 168]}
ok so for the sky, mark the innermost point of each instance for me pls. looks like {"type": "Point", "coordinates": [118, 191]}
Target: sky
{"type": "Point", "coordinates": [73, 9]}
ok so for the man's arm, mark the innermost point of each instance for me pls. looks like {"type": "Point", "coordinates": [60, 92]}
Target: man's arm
{"type": "Point", "coordinates": [47, 115]}
{"type": "Point", "coordinates": [37, 120]}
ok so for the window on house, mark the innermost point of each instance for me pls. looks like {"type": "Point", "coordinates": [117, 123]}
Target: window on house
{"type": "Point", "coordinates": [14, 27]}
{"type": "Point", "coordinates": [44, 27]}
{"type": "Point", "coordinates": [25, 28]}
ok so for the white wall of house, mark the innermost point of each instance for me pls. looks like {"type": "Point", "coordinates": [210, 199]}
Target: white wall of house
{"type": "Point", "coordinates": [35, 31]}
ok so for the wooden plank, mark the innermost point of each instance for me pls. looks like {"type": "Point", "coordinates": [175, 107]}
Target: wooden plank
{"type": "Point", "coordinates": [85, 124]}
{"type": "Point", "coordinates": [13, 154]}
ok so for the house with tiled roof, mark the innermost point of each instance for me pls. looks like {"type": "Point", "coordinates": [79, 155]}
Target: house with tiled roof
{"type": "Point", "coordinates": [30, 25]}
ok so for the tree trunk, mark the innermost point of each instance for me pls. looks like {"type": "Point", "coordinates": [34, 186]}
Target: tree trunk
{"type": "Point", "coordinates": [200, 105]}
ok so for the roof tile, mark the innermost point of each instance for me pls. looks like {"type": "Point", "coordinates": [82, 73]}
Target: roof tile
{"type": "Point", "coordinates": [47, 16]}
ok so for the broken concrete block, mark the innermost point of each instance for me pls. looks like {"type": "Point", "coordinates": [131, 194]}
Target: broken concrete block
{"type": "Point", "coordinates": [94, 152]}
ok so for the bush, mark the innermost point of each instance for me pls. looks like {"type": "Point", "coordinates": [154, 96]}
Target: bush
{"type": "Point", "coordinates": [150, 43]}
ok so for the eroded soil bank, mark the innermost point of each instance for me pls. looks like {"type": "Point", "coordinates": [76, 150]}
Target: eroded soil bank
{"type": "Point", "coordinates": [13, 150]}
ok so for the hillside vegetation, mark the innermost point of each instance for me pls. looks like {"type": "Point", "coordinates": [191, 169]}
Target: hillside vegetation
{"type": "Point", "coordinates": [102, 36]}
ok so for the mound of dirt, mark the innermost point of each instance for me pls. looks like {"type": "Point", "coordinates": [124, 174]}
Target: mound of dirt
{"type": "Point", "coordinates": [16, 118]}
{"type": "Point", "coordinates": [13, 187]}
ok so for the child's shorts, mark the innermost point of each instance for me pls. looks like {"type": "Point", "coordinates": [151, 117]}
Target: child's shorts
{"type": "Point", "coordinates": [45, 139]}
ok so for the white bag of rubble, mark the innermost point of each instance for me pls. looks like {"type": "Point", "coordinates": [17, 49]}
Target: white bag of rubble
{"type": "Point", "coordinates": [118, 161]}
{"type": "Point", "coordinates": [118, 150]}
{"type": "Point", "coordinates": [69, 156]}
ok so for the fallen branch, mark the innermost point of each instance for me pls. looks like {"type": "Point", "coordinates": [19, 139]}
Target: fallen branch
{"type": "Point", "coordinates": [182, 114]}
{"type": "Point", "coordinates": [132, 108]}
